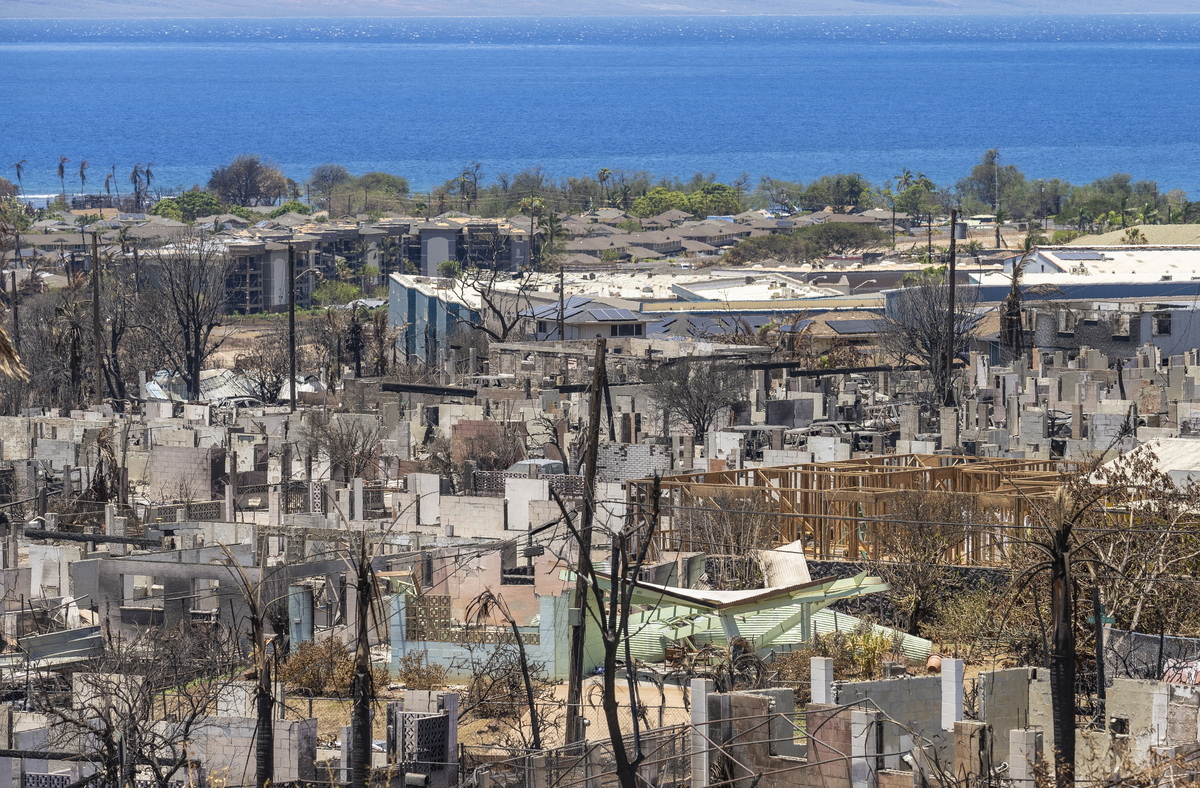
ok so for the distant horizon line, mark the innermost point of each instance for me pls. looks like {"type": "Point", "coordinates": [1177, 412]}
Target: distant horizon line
{"type": "Point", "coordinates": [851, 14]}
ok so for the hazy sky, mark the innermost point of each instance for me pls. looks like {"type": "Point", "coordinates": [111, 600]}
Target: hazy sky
{"type": "Point", "coordinates": [300, 8]}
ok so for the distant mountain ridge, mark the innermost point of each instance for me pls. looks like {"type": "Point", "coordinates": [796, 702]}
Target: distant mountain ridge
{"type": "Point", "coordinates": [127, 9]}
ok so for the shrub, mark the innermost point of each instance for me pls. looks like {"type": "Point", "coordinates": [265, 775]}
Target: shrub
{"type": "Point", "coordinates": [413, 673]}
{"type": "Point", "coordinates": [324, 668]}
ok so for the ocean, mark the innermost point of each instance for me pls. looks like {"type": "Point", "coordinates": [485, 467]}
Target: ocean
{"type": "Point", "coordinates": [1074, 98]}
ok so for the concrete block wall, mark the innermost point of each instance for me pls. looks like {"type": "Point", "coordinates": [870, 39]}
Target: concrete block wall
{"type": "Point", "coordinates": [182, 437]}
{"type": "Point", "coordinates": [618, 462]}
{"type": "Point", "coordinates": [56, 452]}
{"type": "Point", "coordinates": [520, 493]}
{"type": "Point", "coordinates": [914, 701]}
{"type": "Point", "coordinates": [1004, 699]}
{"type": "Point", "coordinates": [176, 469]}
{"type": "Point", "coordinates": [225, 745]}
{"type": "Point", "coordinates": [14, 433]}
{"type": "Point", "coordinates": [137, 464]}
{"type": "Point", "coordinates": [469, 436]}
{"type": "Point", "coordinates": [785, 457]}
{"type": "Point", "coordinates": [829, 739]}
{"type": "Point", "coordinates": [473, 516]}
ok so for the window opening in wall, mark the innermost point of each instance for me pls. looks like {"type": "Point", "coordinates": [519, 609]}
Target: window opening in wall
{"type": "Point", "coordinates": [1162, 324]}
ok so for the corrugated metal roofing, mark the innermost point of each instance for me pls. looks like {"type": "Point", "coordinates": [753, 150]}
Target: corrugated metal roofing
{"type": "Point", "coordinates": [649, 640]}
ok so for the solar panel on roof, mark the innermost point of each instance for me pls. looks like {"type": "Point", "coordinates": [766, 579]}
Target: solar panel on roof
{"type": "Point", "coordinates": [859, 326]}
{"type": "Point", "coordinates": [612, 314]}
{"type": "Point", "coordinates": [1079, 256]}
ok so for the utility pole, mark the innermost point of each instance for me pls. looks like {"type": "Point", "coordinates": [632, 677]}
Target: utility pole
{"type": "Point", "coordinates": [16, 313]}
{"type": "Point", "coordinates": [574, 727]}
{"type": "Point", "coordinates": [1098, 622]}
{"type": "Point", "coordinates": [948, 399]}
{"type": "Point", "coordinates": [996, 164]}
{"type": "Point", "coordinates": [96, 315]}
{"type": "Point", "coordinates": [291, 328]}
{"type": "Point", "coordinates": [562, 306]}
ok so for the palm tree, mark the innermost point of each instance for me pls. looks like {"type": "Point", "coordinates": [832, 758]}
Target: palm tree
{"type": "Point", "coordinates": [116, 185]}
{"type": "Point", "coordinates": [603, 177]}
{"type": "Point", "coordinates": [149, 176]}
{"type": "Point", "coordinates": [534, 206]}
{"type": "Point", "coordinates": [108, 179]}
{"type": "Point", "coordinates": [10, 359]}
{"type": "Point", "coordinates": [135, 178]}
{"type": "Point", "coordinates": [62, 175]}
{"type": "Point", "coordinates": [20, 168]}
{"type": "Point", "coordinates": [83, 167]}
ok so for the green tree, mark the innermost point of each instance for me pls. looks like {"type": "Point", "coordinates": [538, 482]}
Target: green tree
{"type": "Point", "coordinates": [197, 203]}
{"type": "Point", "coordinates": [714, 199]}
{"type": "Point", "coordinates": [291, 206]}
{"type": "Point", "coordinates": [785, 247]}
{"type": "Point", "coordinates": [660, 200]}
{"type": "Point", "coordinates": [1002, 186]}
{"type": "Point", "coordinates": [334, 293]}
{"type": "Point", "coordinates": [168, 209]}
{"type": "Point", "coordinates": [840, 192]}
{"type": "Point", "coordinates": [842, 237]}
{"type": "Point", "coordinates": [384, 182]}
{"type": "Point", "coordinates": [915, 194]}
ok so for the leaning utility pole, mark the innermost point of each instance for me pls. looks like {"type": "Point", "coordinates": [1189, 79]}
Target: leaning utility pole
{"type": "Point", "coordinates": [291, 329]}
{"type": "Point", "coordinates": [951, 318]}
{"type": "Point", "coordinates": [574, 727]}
{"type": "Point", "coordinates": [96, 317]}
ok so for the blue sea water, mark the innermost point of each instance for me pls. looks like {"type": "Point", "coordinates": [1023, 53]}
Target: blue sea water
{"type": "Point", "coordinates": [793, 97]}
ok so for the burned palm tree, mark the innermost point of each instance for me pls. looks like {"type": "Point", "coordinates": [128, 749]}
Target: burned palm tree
{"type": "Point", "coordinates": [1012, 328]}
{"type": "Point", "coordinates": [10, 359]}
{"type": "Point", "coordinates": [264, 698]}
{"type": "Point", "coordinates": [62, 175]}
{"type": "Point", "coordinates": [480, 610]}
{"type": "Point", "coordinates": [135, 180]}
{"type": "Point", "coordinates": [20, 170]}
